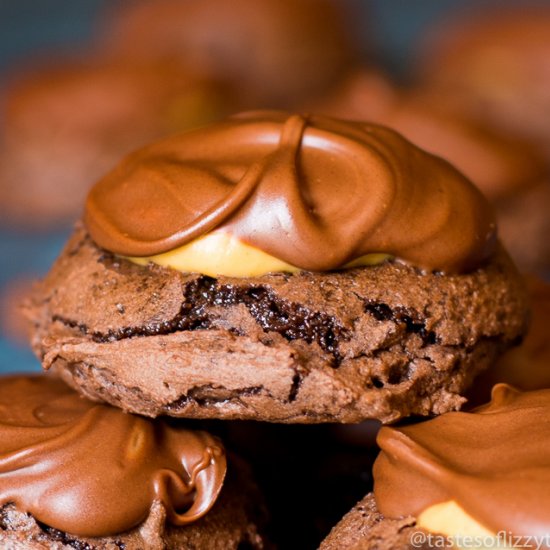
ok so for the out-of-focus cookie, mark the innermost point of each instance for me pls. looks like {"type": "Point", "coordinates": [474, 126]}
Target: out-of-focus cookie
{"type": "Point", "coordinates": [65, 126]}
{"type": "Point", "coordinates": [284, 268]}
{"type": "Point", "coordinates": [495, 65]}
{"type": "Point", "coordinates": [525, 225]}
{"type": "Point", "coordinates": [277, 52]}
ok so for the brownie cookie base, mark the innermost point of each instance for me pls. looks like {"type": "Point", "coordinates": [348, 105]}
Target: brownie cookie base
{"type": "Point", "coordinates": [365, 528]}
{"type": "Point", "coordinates": [235, 522]}
{"type": "Point", "coordinates": [380, 342]}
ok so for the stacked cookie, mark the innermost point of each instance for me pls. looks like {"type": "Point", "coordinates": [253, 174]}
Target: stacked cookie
{"type": "Point", "coordinates": [79, 474]}
{"type": "Point", "coordinates": [461, 480]}
{"type": "Point", "coordinates": [284, 268]}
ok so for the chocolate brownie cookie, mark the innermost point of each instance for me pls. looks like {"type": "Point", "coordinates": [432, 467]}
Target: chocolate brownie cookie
{"type": "Point", "coordinates": [312, 332]}
{"type": "Point", "coordinates": [77, 474]}
{"type": "Point", "coordinates": [482, 475]}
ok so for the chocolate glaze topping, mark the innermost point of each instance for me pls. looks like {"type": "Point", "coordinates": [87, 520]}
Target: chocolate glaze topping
{"type": "Point", "coordinates": [92, 470]}
{"type": "Point", "coordinates": [312, 191]}
{"type": "Point", "coordinates": [494, 462]}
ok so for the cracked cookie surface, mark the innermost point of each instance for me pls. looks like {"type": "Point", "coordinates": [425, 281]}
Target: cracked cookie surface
{"type": "Point", "coordinates": [365, 528]}
{"type": "Point", "coordinates": [379, 342]}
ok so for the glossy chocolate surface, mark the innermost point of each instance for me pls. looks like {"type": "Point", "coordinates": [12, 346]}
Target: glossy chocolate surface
{"type": "Point", "coordinates": [312, 191]}
{"type": "Point", "coordinates": [92, 470]}
{"type": "Point", "coordinates": [493, 462]}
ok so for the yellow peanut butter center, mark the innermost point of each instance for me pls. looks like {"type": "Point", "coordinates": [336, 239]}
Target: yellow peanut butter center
{"type": "Point", "coordinates": [448, 519]}
{"type": "Point", "coordinates": [220, 253]}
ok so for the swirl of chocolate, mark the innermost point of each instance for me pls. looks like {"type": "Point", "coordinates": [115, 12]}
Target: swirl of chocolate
{"type": "Point", "coordinates": [493, 462]}
{"type": "Point", "coordinates": [312, 191]}
{"type": "Point", "coordinates": [93, 470]}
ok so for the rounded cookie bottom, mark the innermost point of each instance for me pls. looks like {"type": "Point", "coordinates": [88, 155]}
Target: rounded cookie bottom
{"type": "Point", "coordinates": [308, 396]}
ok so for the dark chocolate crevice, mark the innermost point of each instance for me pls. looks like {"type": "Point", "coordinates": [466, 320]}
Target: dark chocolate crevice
{"type": "Point", "coordinates": [397, 374]}
{"type": "Point", "coordinates": [4, 520]}
{"type": "Point", "coordinates": [297, 380]}
{"type": "Point", "coordinates": [402, 316]}
{"type": "Point", "coordinates": [67, 540]}
{"type": "Point", "coordinates": [291, 320]}
{"type": "Point", "coordinates": [246, 545]}
{"type": "Point", "coordinates": [209, 394]}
